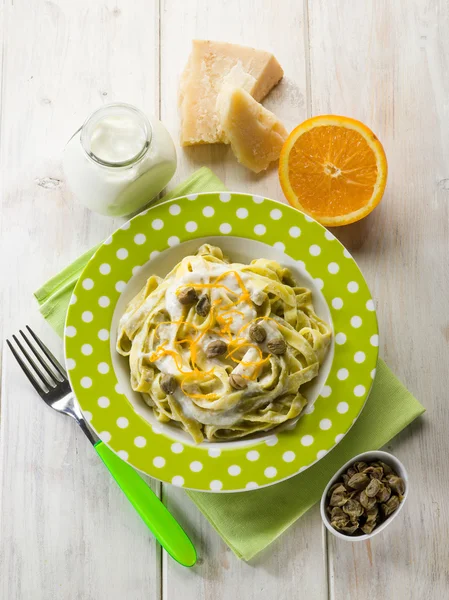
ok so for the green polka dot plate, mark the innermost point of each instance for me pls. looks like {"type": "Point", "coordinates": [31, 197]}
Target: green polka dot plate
{"type": "Point", "coordinates": [245, 227]}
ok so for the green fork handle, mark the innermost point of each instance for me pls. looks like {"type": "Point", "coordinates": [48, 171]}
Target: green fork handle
{"type": "Point", "coordinates": [154, 514]}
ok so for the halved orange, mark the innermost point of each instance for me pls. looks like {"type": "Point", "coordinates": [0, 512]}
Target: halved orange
{"type": "Point", "coordinates": [334, 169]}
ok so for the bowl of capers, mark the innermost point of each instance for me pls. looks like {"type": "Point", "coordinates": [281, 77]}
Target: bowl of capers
{"type": "Point", "coordinates": [364, 496]}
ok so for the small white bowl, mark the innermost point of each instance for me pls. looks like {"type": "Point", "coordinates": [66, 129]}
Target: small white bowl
{"type": "Point", "coordinates": [367, 457]}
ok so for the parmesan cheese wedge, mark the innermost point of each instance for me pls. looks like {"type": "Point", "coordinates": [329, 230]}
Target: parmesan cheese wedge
{"type": "Point", "coordinates": [210, 66]}
{"type": "Point", "coordinates": [256, 135]}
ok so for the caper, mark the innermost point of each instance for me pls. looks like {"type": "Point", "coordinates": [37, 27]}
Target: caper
{"type": "Point", "coordinates": [216, 348]}
{"type": "Point", "coordinates": [237, 381]}
{"type": "Point", "coordinates": [187, 296]}
{"type": "Point", "coordinates": [168, 384]}
{"type": "Point", "coordinates": [277, 346]}
{"type": "Point", "coordinates": [257, 333]}
{"type": "Point", "coordinates": [203, 306]}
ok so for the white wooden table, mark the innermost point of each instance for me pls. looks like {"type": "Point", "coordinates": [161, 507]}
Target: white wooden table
{"type": "Point", "coordinates": [66, 530]}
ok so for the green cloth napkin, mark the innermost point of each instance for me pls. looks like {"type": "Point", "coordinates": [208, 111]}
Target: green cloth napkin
{"type": "Point", "coordinates": [249, 521]}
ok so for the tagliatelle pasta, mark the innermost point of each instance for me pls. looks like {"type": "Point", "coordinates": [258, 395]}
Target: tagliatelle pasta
{"type": "Point", "coordinates": [222, 349]}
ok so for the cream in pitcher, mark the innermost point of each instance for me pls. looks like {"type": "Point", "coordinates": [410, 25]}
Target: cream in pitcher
{"type": "Point", "coordinates": [119, 160]}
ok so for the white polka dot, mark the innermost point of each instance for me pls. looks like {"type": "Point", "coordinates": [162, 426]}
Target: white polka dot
{"type": "Point", "coordinates": [279, 246]}
{"type": "Point", "coordinates": [174, 209]}
{"type": "Point", "coordinates": [342, 407]}
{"type": "Point", "coordinates": [70, 331]}
{"type": "Point", "coordinates": [108, 241]}
{"type": "Point", "coordinates": [140, 239]}
{"type": "Point", "coordinates": [326, 391]}
{"type": "Point", "coordinates": [122, 422]}
{"type": "Point", "coordinates": [321, 453]}
{"type": "Point", "coordinates": [251, 485]}
{"type": "Point", "coordinates": [242, 213]}
{"type": "Point", "coordinates": [309, 218]}
{"type": "Point", "coordinates": [214, 452]}
{"type": "Point", "coordinates": [123, 454]}
{"type": "Point", "coordinates": [156, 429]}
{"type": "Point", "coordinates": [136, 269]}
{"type": "Point", "coordinates": [309, 409]}
{"type": "Point", "coordinates": [356, 321]}
{"type": "Point", "coordinates": [339, 437]}
{"type": "Point", "coordinates": [329, 236]}
{"type": "Point", "coordinates": [86, 382]}
{"type": "Point", "coordinates": [87, 316]}
{"type": "Point", "coordinates": [276, 214]}
{"type": "Point", "coordinates": [140, 441]}
{"type": "Point", "coordinates": [234, 470]}
{"type": "Point", "coordinates": [192, 196]}
{"type": "Point", "coordinates": [126, 225]}
{"type": "Point", "coordinates": [173, 240]}
{"type": "Point", "coordinates": [359, 357]}
{"type": "Point", "coordinates": [177, 448]}
{"type": "Point", "coordinates": [374, 340]}
{"type": "Point", "coordinates": [289, 456]}
{"type": "Point", "coordinates": [319, 283]}
{"type": "Point", "coordinates": [105, 436]}
{"type": "Point", "coordinates": [208, 211]}
{"type": "Point", "coordinates": [118, 388]}
{"type": "Point", "coordinates": [105, 269]}
{"type": "Point", "coordinates": [86, 349]}
{"type": "Point", "coordinates": [154, 254]}
{"type": "Point", "coordinates": [104, 301]}
{"type": "Point", "coordinates": [191, 226]}
{"type": "Point", "coordinates": [178, 480]}
{"type": "Point", "coordinates": [342, 374]}
{"type": "Point", "coordinates": [325, 424]}
{"type": "Point", "coordinates": [157, 224]}
{"type": "Point", "coordinates": [307, 440]}
{"type": "Point", "coordinates": [103, 402]}
{"type": "Point", "coordinates": [73, 299]}
{"type": "Point", "coordinates": [270, 472]}
{"type": "Point", "coordinates": [340, 338]}
{"type": "Point", "coordinates": [252, 455]}
{"type": "Point", "coordinates": [196, 466]}
{"type": "Point", "coordinates": [120, 286]}
{"type": "Point", "coordinates": [225, 196]}
{"type": "Point", "coordinates": [370, 305]}
{"type": "Point", "coordinates": [373, 373]}
{"type": "Point", "coordinates": [260, 229]}
{"type": "Point", "coordinates": [225, 228]}
{"type": "Point", "coordinates": [159, 462]}
{"type": "Point", "coordinates": [359, 390]}
{"type": "Point", "coordinates": [315, 250]}
{"type": "Point", "coordinates": [353, 287]}
{"type": "Point", "coordinates": [88, 284]}
{"type": "Point", "coordinates": [258, 199]}
{"type": "Point", "coordinates": [337, 303]}
{"type": "Point", "coordinates": [70, 364]}
{"type": "Point", "coordinates": [272, 440]}
{"type": "Point", "coordinates": [103, 334]}
{"type": "Point", "coordinates": [333, 268]}
{"type": "Point", "coordinates": [103, 368]}
{"type": "Point", "coordinates": [294, 232]}
{"type": "Point", "coordinates": [216, 485]}
{"type": "Point", "coordinates": [122, 253]}
{"type": "Point", "coordinates": [346, 254]}
{"type": "Point", "coordinates": [301, 264]}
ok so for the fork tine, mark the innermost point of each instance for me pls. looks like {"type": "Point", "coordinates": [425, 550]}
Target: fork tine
{"type": "Point", "coordinates": [50, 384]}
{"type": "Point", "coordinates": [57, 365]}
{"type": "Point", "coordinates": [38, 356]}
{"type": "Point", "coordinates": [25, 369]}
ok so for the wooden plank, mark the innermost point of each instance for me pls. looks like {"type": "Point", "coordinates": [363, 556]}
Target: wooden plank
{"type": "Point", "coordinates": [386, 63]}
{"type": "Point", "coordinates": [66, 529]}
{"type": "Point", "coordinates": [277, 26]}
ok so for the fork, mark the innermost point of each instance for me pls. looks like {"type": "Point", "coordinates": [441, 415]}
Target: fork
{"type": "Point", "coordinates": [51, 383]}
